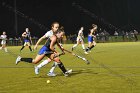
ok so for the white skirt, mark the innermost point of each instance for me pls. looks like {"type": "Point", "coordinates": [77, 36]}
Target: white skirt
{"type": "Point", "coordinates": [3, 42]}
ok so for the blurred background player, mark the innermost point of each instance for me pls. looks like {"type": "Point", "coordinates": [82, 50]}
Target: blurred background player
{"type": "Point", "coordinates": [91, 36]}
{"type": "Point", "coordinates": [26, 39]}
{"type": "Point", "coordinates": [3, 38]}
{"type": "Point", "coordinates": [79, 40]}
{"type": "Point", "coordinates": [49, 51]}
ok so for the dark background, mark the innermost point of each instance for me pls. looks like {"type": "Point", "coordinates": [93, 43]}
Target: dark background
{"type": "Point", "coordinates": [38, 15]}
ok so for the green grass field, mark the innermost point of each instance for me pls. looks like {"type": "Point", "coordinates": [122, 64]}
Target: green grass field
{"type": "Point", "coordinates": [114, 68]}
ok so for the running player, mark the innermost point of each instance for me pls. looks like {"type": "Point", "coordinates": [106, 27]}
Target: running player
{"type": "Point", "coordinates": [49, 51]}
{"type": "Point", "coordinates": [3, 41]}
{"type": "Point", "coordinates": [54, 29]}
{"type": "Point", "coordinates": [80, 38]}
{"type": "Point", "coordinates": [27, 39]}
{"type": "Point", "coordinates": [91, 36]}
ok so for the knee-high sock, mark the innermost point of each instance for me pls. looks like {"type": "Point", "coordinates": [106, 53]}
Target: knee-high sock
{"type": "Point", "coordinates": [29, 60]}
{"type": "Point", "coordinates": [5, 49]}
{"type": "Point", "coordinates": [53, 67]}
{"type": "Point", "coordinates": [75, 45]}
{"type": "Point", "coordinates": [83, 46]}
{"type": "Point", "coordinates": [22, 48]}
{"type": "Point", "coordinates": [43, 63]}
{"type": "Point", "coordinates": [91, 47]}
{"type": "Point", "coordinates": [61, 66]}
{"type": "Point", "coordinates": [30, 48]}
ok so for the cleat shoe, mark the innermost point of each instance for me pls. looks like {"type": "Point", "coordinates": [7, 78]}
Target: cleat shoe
{"type": "Point", "coordinates": [51, 74]}
{"type": "Point", "coordinates": [72, 49]}
{"type": "Point", "coordinates": [67, 72]}
{"type": "Point", "coordinates": [36, 70]}
{"type": "Point", "coordinates": [86, 49]}
{"type": "Point", "coordinates": [86, 52]}
{"type": "Point", "coordinates": [18, 60]}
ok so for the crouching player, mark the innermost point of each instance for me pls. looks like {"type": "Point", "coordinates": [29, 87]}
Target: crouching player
{"type": "Point", "coordinates": [49, 51]}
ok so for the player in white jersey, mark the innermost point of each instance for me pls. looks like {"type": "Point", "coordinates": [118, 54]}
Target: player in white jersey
{"type": "Point", "coordinates": [79, 40]}
{"type": "Point", "coordinates": [3, 38]}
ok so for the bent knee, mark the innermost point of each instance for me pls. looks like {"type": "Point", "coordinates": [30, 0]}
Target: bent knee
{"type": "Point", "coordinates": [57, 60]}
{"type": "Point", "coordinates": [49, 60]}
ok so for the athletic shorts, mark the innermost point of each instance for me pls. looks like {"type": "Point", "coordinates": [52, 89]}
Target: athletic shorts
{"type": "Point", "coordinates": [3, 42]}
{"type": "Point", "coordinates": [90, 39]}
{"type": "Point", "coordinates": [45, 50]}
{"type": "Point", "coordinates": [27, 44]}
{"type": "Point", "coordinates": [79, 39]}
{"type": "Point", "coordinates": [26, 40]}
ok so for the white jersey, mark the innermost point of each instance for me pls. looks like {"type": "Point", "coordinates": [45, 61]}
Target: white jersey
{"type": "Point", "coordinates": [80, 35]}
{"type": "Point", "coordinates": [49, 34]}
{"type": "Point", "coordinates": [3, 37]}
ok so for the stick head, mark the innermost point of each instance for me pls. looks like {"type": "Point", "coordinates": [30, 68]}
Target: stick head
{"type": "Point", "coordinates": [87, 62]}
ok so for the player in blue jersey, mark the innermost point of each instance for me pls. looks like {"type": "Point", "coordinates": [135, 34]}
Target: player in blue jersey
{"type": "Point", "coordinates": [44, 62]}
{"type": "Point", "coordinates": [26, 39]}
{"type": "Point", "coordinates": [91, 36]}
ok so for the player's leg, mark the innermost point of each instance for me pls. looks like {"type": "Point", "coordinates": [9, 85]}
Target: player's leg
{"type": "Point", "coordinates": [1, 45]}
{"type": "Point", "coordinates": [4, 47]}
{"type": "Point", "coordinates": [28, 43]}
{"type": "Point", "coordinates": [23, 46]}
{"type": "Point", "coordinates": [51, 72]}
{"type": "Point", "coordinates": [45, 52]}
{"type": "Point", "coordinates": [93, 45]}
{"type": "Point", "coordinates": [83, 46]}
{"type": "Point", "coordinates": [89, 45]}
{"type": "Point", "coordinates": [30, 60]}
{"type": "Point", "coordinates": [45, 62]}
{"type": "Point", "coordinates": [61, 66]}
{"type": "Point", "coordinates": [75, 45]}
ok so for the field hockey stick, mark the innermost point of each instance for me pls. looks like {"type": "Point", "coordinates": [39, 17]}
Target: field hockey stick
{"type": "Point", "coordinates": [32, 45]}
{"type": "Point", "coordinates": [84, 59]}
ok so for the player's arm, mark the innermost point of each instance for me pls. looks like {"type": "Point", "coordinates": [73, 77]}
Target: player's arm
{"type": "Point", "coordinates": [40, 40]}
{"type": "Point", "coordinates": [31, 40]}
{"type": "Point", "coordinates": [60, 47]}
{"type": "Point", "coordinates": [24, 34]}
{"type": "Point", "coordinates": [6, 38]}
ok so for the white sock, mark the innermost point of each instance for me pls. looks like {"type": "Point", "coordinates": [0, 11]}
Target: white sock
{"type": "Point", "coordinates": [0, 48]}
{"type": "Point", "coordinates": [83, 46]}
{"type": "Point", "coordinates": [75, 46]}
{"type": "Point", "coordinates": [43, 63]}
{"type": "Point", "coordinates": [53, 67]}
{"type": "Point", "coordinates": [5, 49]}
